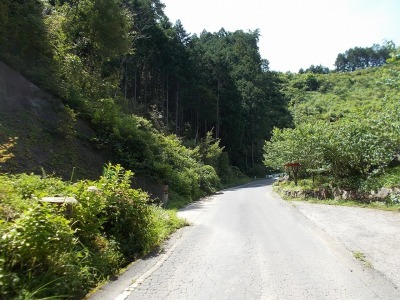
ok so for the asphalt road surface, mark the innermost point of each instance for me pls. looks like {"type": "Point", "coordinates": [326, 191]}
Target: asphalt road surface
{"type": "Point", "coordinates": [246, 243]}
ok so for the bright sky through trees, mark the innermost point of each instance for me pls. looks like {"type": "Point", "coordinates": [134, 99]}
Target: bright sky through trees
{"type": "Point", "coordinates": [296, 34]}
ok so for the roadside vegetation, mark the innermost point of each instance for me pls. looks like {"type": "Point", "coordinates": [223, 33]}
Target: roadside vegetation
{"type": "Point", "coordinates": [169, 106]}
{"type": "Point", "coordinates": [191, 112]}
{"type": "Point", "coordinates": [64, 250]}
{"type": "Point", "coordinates": [346, 135]}
{"type": "Point", "coordinates": [183, 85]}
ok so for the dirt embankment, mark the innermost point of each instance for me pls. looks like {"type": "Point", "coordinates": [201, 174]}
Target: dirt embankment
{"type": "Point", "coordinates": [51, 138]}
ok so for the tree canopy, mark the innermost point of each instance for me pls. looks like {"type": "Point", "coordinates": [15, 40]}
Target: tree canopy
{"type": "Point", "coordinates": [361, 58]}
{"type": "Point", "coordinates": [109, 60]}
{"type": "Point", "coordinates": [346, 124]}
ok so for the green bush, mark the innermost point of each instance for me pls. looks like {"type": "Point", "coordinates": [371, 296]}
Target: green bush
{"type": "Point", "coordinates": [208, 179]}
{"type": "Point", "coordinates": [35, 186]}
{"type": "Point", "coordinates": [112, 208]}
{"type": "Point", "coordinates": [384, 177]}
{"type": "Point", "coordinates": [51, 250]}
{"type": "Point", "coordinates": [350, 149]}
{"type": "Point", "coordinates": [32, 245]}
{"type": "Point", "coordinates": [162, 158]}
{"type": "Point", "coordinates": [36, 235]}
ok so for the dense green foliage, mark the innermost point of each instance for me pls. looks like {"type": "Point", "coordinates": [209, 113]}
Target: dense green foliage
{"type": "Point", "coordinates": [51, 250]}
{"type": "Point", "coordinates": [319, 69]}
{"type": "Point", "coordinates": [111, 59]}
{"type": "Point", "coordinates": [177, 109]}
{"type": "Point", "coordinates": [347, 125]}
{"type": "Point", "coordinates": [361, 58]}
{"type": "Point", "coordinates": [247, 99]}
{"type": "Point", "coordinates": [352, 146]}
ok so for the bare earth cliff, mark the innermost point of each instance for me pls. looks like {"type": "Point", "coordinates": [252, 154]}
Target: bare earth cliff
{"type": "Point", "coordinates": [47, 142]}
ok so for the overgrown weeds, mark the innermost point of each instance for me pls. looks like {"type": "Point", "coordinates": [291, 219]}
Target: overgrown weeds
{"type": "Point", "coordinates": [60, 251]}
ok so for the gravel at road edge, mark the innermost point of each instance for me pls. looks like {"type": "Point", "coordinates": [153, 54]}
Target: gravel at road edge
{"type": "Point", "coordinates": [374, 233]}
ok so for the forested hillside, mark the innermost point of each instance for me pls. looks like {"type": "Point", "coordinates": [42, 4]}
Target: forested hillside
{"type": "Point", "coordinates": [109, 60]}
{"type": "Point", "coordinates": [115, 80]}
{"type": "Point", "coordinates": [346, 133]}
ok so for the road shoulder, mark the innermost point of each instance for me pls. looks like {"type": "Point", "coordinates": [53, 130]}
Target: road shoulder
{"type": "Point", "coordinates": [373, 234]}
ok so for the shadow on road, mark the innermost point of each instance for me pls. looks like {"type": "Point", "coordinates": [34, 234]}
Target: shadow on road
{"type": "Point", "coordinates": [198, 205]}
{"type": "Point", "coordinates": [204, 202]}
{"type": "Point", "coordinates": [253, 184]}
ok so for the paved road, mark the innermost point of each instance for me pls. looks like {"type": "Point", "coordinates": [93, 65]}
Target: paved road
{"type": "Point", "coordinates": [374, 233]}
{"type": "Point", "coordinates": [246, 243]}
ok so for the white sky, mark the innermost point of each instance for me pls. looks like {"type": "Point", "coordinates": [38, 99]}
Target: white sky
{"type": "Point", "coordinates": [295, 33]}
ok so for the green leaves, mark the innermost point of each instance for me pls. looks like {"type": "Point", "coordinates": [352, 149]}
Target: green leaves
{"type": "Point", "coordinates": [249, 102]}
{"type": "Point", "coordinates": [36, 236]}
{"type": "Point", "coordinates": [350, 146]}
{"type": "Point", "coordinates": [359, 58]}
{"type": "Point", "coordinates": [302, 144]}
{"type": "Point", "coordinates": [70, 249]}
{"type": "Point", "coordinates": [346, 128]}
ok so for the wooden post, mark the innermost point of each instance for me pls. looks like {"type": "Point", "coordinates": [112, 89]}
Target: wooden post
{"type": "Point", "coordinates": [165, 194]}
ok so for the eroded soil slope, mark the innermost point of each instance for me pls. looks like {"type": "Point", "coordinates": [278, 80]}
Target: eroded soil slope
{"type": "Point", "coordinates": [50, 137]}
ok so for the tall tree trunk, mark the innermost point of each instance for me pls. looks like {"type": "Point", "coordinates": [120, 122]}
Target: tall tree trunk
{"type": "Point", "coordinates": [217, 127]}
{"type": "Point", "coordinates": [196, 137]}
{"type": "Point", "coordinates": [135, 88]}
{"type": "Point", "coordinates": [126, 79]}
{"type": "Point", "coordinates": [167, 114]}
{"type": "Point", "coordinates": [163, 97]}
{"type": "Point", "coordinates": [145, 91]}
{"type": "Point", "coordinates": [157, 88]}
{"type": "Point", "coordinates": [252, 154]}
{"type": "Point", "coordinates": [177, 109]}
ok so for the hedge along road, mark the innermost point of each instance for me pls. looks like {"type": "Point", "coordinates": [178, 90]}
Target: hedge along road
{"type": "Point", "coordinates": [246, 243]}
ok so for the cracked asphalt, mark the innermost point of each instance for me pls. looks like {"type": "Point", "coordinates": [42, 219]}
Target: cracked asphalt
{"type": "Point", "coordinates": [246, 243]}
